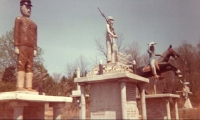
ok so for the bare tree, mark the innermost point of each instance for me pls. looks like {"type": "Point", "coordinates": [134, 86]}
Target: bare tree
{"type": "Point", "coordinates": [82, 63]}
{"type": "Point", "coordinates": [101, 45]}
{"type": "Point", "coordinates": [70, 69]}
{"type": "Point", "coordinates": [101, 48]}
{"type": "Point", "coordinates": [56, 77]}
{"type": "Point", "coordinates": [119, 42]}
{"type": "Point", "coordinates": [135, 51]}
{"type": "Point", "coordinates": [144, 59]}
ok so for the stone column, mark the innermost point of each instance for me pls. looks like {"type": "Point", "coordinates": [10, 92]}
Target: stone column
{"type": "Point", "coordinates": [143, 102]}
{"type": "Point", "coordinates": [176, 110]}
{"type": "Point", "coordinates": [83, 107]}
{"type": "Point", "coordinates": [57, 110]}
{"type": "Point", "coordinates": [100, 67]}
{"type": "Point", "coordinates": [18, 107]}
{"type": "Point", "coordinates": [168, 109]}
{"type": "Point", "coordinates": [18, 112]}
{"type": "Point", "coordinates": [123, 99]}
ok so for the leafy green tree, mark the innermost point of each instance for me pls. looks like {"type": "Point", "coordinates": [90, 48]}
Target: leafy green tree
{"type": "Point", "coordinates": [5, 87]}
{"type": "Point", "coordinates": [7, 54]}
{"type": "Point", "coordinates": [9, 75]}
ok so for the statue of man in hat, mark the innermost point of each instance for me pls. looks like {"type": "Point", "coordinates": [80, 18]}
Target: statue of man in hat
{"type": "Point", "coordinates": [25, 42]}
{"type": "Point", "coordinates": [110, 37]}
{"type": "Point", "coordinates": [186, 90]}
{"type": "Point", "coordinates": [152, 59]}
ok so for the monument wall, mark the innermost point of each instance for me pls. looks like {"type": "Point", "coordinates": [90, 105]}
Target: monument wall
{"type": "Point", "coordinates": [107, 102]}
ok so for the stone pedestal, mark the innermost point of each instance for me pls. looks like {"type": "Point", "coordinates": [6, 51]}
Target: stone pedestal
{"type": "Point", "coordinates": [187, 103]}
{"type": "Point", "coordinates": [29, 105]}
{"type": "Point", "coordinates": [112, 95]}
{"type": "Point", "coordinates": [158, 106]}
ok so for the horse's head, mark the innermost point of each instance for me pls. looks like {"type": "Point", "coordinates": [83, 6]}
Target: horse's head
{"type": "Point", "coordinates": [167, 54]}
{"type": "Point", "coordinates": [172, 52]}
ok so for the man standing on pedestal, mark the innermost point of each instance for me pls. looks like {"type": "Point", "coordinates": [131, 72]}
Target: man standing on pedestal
{"type": "Point", "coordinates": [25, 42]}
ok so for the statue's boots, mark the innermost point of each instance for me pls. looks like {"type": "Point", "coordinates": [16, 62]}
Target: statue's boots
{"type": "Point", "coordinates": [20, 81]}
{"type": "Point", "coordinates": [29, 78]}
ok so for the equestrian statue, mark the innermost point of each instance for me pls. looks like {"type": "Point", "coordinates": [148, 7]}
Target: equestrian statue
{"type": "Point", "coordinates": [156, 67]}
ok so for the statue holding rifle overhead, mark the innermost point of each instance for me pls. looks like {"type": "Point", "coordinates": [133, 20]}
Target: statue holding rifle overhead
{"type": "Point", "coordinates": [110, 39]}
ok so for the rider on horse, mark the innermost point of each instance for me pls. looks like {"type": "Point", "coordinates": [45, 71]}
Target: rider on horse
{"type": "Point", "coordinates": [152, 59]}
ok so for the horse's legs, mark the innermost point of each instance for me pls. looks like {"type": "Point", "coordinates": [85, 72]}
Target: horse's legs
{"type": "Point", "coordinates": [174, 68]}
{"type": "Point", "coordinates": [169, 66]}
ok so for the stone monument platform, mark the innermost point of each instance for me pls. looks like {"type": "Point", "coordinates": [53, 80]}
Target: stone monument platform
{"type": "Point", "coordinates": [158, 106]}
{"type": "Point", "coordinates": [29, 105]}
{"type": "Point", "coordinates": [112, 93]}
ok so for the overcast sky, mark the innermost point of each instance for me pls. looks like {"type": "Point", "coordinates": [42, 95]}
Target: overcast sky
{"type": "Point", "coordinates": [68, 28]}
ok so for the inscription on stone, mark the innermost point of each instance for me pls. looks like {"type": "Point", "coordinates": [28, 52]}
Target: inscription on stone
{"type": "Point", "coordinates": [132, 109]}
{"type": "Point", "coordinates": [130, 92]}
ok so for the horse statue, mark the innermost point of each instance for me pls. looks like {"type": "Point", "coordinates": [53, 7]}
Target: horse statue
{"type": "Point", "coordinates": [164, 65]}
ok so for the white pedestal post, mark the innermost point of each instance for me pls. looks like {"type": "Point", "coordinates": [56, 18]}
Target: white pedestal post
{"type": "Point", "coordinates": [83, 107]}
{"type": "Point", "coordinates": [18, 112]}
{"type": "Point", "coordinates": [57, 110]}
{"type": "Point", "coordinates": [168, 109]}
{"type": "Point", "coordinates": [123, 99]}
{"type": "Point", "coordinates": [176, 110]}
{"type": "Point", "coordinates": [18, 107]}
{"type": "Point", "coordinates": [56, 113]}
{"type": "Point", "coordinates": [143, 102]}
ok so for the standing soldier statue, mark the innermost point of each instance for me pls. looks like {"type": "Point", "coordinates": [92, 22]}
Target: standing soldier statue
{"type": "Point", "coordinates": [185, 95]}
{"type": "Point", "coordinates": [186, 90]}
{"type": "Point", "coordinates": [110, 39]}
{"type": "Point", "coordinates": [25, 42]}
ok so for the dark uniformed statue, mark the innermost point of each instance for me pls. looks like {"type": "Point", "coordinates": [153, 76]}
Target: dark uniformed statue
{"type": "Point", "coordinates": [25, 42]}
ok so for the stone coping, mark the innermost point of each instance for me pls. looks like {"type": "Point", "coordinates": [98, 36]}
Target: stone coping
{"type": "Point", "coordinates": [127, 76]}
{"type": "Point", "coordinates": [32, 96]}
{"type": "Point", "coordinates": [77, 96]}
{"type": "Point", "coordinates": [161, 96]}
{"type": "Point", "coordinates": [182, 109]}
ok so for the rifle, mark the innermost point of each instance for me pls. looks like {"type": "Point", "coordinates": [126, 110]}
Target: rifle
{"type": "Point", "coordinates": [107, 21]}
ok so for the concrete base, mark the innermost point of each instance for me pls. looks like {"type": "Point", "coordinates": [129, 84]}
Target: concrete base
{"type": "Point", "coordinates": [158, 106]}
{"type": "Point", "coordinates": [29, 105]}
{"type": "Point", "coordinates": [112, 95]}
{"type": "Point", "coordinates": [189, 113]}
{"type": "Point", "coordinates": [106, 101]}
{"type": "Point", "coordinates": [187, 103]}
